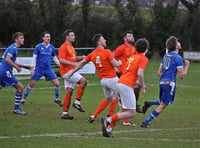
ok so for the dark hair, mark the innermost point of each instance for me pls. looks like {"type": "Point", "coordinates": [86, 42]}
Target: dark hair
{"type": "Point", "coordinates": [67, 32]}
{"type": "Point", "coordinates": [43, 34]}
{"type": "Point", "coordinates": [141, 45]}
{"type": "Point", "coordinates": [127, 32]}
{"type": "Point", "coordinates": [16, 35]}
{"type": "Point", "coordinates": [171, 43]}
{"type": "Point", "coordinates": [96, 38]}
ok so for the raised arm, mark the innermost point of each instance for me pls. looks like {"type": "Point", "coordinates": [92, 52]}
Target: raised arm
{"type": "Point", "coordinates": [182, 72]}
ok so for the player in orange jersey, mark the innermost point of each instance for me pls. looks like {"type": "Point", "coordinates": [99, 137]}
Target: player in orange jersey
{"type": "Point", "coordinates": [104, 62]}
{"type": "Point", "coordinates": [134, 70]}
{"type": "Point", "coordinates": [67, 58]}
{"type": "Point", "coordinates": [123, 52]}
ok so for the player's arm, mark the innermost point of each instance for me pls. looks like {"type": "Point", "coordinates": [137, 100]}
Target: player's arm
{"type": "Point", "coordinates": [79, 58]}
{"type": "Point", "coordinates": [11, 63]}
{"type": "Point", "coordinates": [115, 63]}
{"type": "Point", "coordinates": [66, 62]}
{"type": "Point", "coordinates": [182, 71]}
{"type": "Point", "coordinates": [159, 73]}
{"type": "Point", "coordinates": [23, 66]}
{"type": "Point", "coordinates": [78, 66]}
{"type": "Point", "coordinates": [55, 59]}
{"type": "Point", "coordinates": [140, 74]}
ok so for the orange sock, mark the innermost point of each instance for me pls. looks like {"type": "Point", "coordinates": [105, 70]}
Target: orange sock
{"type": "Point", "coordinates": [101, 107]}
{"type": "Point", "coordinates": [80, 92]}
{"type": "Point", "coordinates": [114, 118]}
{"type": "Point", "coordinates": [66, 102]}
{"type": "Point", "coordinates": [126, 120]}
{"type": "Point", "coordinates": [112, 107]}
{"type": "Point", "coordinates": [112, 124]}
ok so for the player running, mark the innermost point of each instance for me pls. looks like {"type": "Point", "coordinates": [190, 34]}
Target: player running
{"type": "Point", "coordinates": [41, 66]}
{"type": "Point", "coordinates": [6, 70]}
{"type": "Point", "coordinates": [67, 57]}
{"type": "Point", "coordinates": [170, 65]}
{"type": "Point", "coordinates": [134, 70]}
{"type": "Point", "coordinates": [104, 62]}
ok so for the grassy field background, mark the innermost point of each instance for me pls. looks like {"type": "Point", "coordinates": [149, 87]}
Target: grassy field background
{"type": "Point", "coordinates": [178, 126]}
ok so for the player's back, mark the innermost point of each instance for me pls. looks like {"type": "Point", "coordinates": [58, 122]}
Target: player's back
{"type": "Point", "coordinates": [101, 59]}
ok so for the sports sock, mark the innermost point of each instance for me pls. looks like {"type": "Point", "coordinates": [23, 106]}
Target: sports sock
{"type": "Point", "coordinates": [27, 92]}
{"type": "Point", "coordinates": [18, 97]}
{"type": "Point", "coordinates": [114, 118]}
{"type": "Point", "coordinates": [126, 120]}
{"type": "Point", "coordinates": [57, 93]}
{"type": "Point", "coordinates": [66, 102]}
{"type": "Point", "coordinates": [80, 92]}
{"type": "Point", "coordinates": [153, 115]}
{"type": "Point", "coordinates": [101, 107]}
{"type": "Point", "coordinates": [154, 102]}
{"type": "Point", "coordinates": [112, 124]}
{"type": "Point", "coordinates": [112, 107]}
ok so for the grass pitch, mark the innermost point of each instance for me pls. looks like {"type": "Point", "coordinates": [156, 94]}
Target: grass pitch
{"type": "Point", "coordinates": [178, 126]}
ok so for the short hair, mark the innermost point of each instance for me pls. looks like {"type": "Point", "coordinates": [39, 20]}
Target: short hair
{"type": "Point", "coordinates": [67, 32]}
{"type": "Point", "coordinates": [127, 32]}
{"type": "Point", "coordinates": [141, 45]}
{"type": "Point", "coordinates": [171, 43]}
{"type": "Point", "coordinates": [16, 35]}
{"type": "Point", "coordinates": [43, 33]}
{"type": "Point", "coordinates": [96, 38]}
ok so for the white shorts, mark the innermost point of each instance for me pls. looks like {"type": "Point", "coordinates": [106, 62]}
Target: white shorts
{"type": "Point", "coordinates": [109, 86]}
{"type": "Point", "coordinates": [72, 81]}
{"type": "Point", "coordinates": [127, 96]}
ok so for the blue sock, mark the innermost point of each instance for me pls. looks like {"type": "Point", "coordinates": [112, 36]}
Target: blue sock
{"type": "Point", "coordinates": [57, 93]}
{"type": "Point", "coordinates": [154, 102]}
{"type": "Point", "coordinates": [153, 115]}
{"type": "Point", "coordinates": [27, 92]}
{"type": "Point", "coordinates": [18, 97]}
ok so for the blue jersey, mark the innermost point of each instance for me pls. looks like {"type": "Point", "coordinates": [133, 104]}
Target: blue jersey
{"type": "Point", "coordinates": [44, 55]}
{"type": "Point", "coordinates": [170, 62]}
{"type": "Point", "coordinates": [13, 51]}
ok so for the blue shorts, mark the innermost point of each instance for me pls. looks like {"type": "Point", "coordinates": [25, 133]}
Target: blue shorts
{"type": "Point", "coordinates": [167, 94]}
{"type": "Point", "coordinates": [49, 74]}
{"type": "Point", "coordinates": [7, 79]}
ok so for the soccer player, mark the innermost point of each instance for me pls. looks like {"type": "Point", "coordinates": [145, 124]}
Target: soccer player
{"type": "Point", "coordinates": [123, 52]}
{"type": "Point", "coordinates": [134, 70]}
{"type": "Point", "coordinates": [6, 70]}
{"type": "Point", "coordinates": [170, 65]}
{"type": "Point", "coordinates": [104, 62]}
{"type": "Point", "coordinates": [67, 57]}
{"type": "Point", "coordinates": [41, 66]}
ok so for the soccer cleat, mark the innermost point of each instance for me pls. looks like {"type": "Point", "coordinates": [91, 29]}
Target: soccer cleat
{"type": "Point", "coordinates": [66, 116]}
{"type": "Point", "coordinates": [145, 125]}
{"type": "Point", "coordinates": [106, 129]}
{"type": "Point", "coordinates": [138, 109]}
{"type": "Point", "coordinates": [145, 107]}
{"type": "Point", "coordinates": [58, 102]}
{"type": "Point", "coordinates": [91, 119]}
{"type": "Point", "coordinates": [19, 111]}
{"type": "Point", "coordinates": [22, 101]}
{"type": "Point", "coordinates": [79, 107]}
{"type": "Point", "coordinates": [129, 123]}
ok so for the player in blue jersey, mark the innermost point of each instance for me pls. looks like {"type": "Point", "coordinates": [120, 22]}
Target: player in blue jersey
{"type": "Point", "coordinates": [171, 63]}
{"type": "Point", "coordinates": [6, 70]}
{"type": "Point", "coordinates": [41, 66]}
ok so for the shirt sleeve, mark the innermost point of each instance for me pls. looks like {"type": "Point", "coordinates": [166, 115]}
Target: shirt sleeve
{"type": "Point", "coordinates": [62, 53]}
{"type": "Point", "coordinates": [118, 51]}
{"type": "Point", "coordinates": [11, 51]}
{"type": "Point", "coordinates": [36, 51]}
{"type": "Point", "coordinates": [88, 58]}
{"type": "Point", "coordinates": [143, 63]}
{"type": "Point", "coordinates": [109, 55]}
{"type": "Point", "coordinates": [179, 62]}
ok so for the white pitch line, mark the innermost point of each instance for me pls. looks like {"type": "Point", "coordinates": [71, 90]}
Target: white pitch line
{"type": "Point", "coordinates": [90, 135]}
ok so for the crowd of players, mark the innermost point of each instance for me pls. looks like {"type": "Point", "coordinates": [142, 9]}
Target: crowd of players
{"type": "Point", "coordinates": [121, 75]}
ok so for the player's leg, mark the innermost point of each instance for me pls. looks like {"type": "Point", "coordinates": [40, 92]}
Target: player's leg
{"type": "Point", "coordinates": [18, 96]}
{"type": "Point", "coordinates": [57, 92]}
{"type": "Point", "coordinates": [37, 75]}
{"type": "Point", "coordinates": [148, 104]}
{"type": "Point", "coordinates": [80, 90]}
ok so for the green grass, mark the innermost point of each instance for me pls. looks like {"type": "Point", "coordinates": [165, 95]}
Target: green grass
{"type": "Point", "coordinates": [178, 126]}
